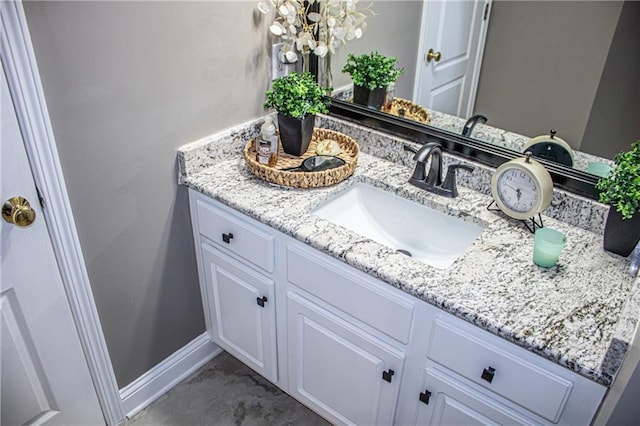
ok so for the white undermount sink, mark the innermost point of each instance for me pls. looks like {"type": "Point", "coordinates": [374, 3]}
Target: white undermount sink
{"type": "Point", "coordinates": [427, 234]}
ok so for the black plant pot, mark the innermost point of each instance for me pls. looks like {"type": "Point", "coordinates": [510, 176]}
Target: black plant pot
{"type": "Point", "coordinates": [295, 133]}
{"type": "Point", "coordinates": [621, 235]}
{"type": "Point", "coordinates": [369, 98]}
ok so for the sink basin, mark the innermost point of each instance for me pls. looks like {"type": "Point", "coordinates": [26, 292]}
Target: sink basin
{"type": "Point", "coordinates": [409, 227]}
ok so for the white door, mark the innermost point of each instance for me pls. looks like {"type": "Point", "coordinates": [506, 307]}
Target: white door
{"type": "Point", "coordinates": [44, 378]}
{"type": "Point", "coordinates": [454, 31]}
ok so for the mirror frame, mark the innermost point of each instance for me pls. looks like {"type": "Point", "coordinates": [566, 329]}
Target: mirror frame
{"type": "Point", "coordinates": [566, 178]}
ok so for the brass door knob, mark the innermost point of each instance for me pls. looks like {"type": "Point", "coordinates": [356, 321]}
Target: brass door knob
{"type": "Point", "coordinates": [433, 55]}
{"type": "Point", "coordinates": [18, 211]}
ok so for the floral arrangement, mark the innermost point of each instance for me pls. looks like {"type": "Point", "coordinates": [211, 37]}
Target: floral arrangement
{"type": "Point", "coordinates": [297, 23]}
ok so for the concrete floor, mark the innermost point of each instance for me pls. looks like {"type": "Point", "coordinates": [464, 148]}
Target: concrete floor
{"type": "Point", "coordinates": [226, 392]}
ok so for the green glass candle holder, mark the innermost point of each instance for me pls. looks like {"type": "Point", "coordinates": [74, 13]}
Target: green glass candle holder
{"type": "Point", "coordinates": [547, 247]}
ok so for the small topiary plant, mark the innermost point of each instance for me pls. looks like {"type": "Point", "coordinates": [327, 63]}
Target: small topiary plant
{"type": "Point", "coordinates": [372, 70]}
{"type": "Point", "coordinates": [621, 189]}
{"type": "Point", "coordinates": [297, 95]}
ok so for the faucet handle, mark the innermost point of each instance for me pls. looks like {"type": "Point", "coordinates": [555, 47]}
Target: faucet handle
{"type": "Point", "coordinates": [449, 184]}
{"type": "Point", "coordinates": [409, 148]}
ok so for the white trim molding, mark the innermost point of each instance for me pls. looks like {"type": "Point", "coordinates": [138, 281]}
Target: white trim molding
{"type": "Point", "coordinates": [24, 82]}
{"type": "Point", "coordinates": [164, 376]}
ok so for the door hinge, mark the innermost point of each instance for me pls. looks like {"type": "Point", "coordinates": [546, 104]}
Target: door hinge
{"type": "Point", "coordinates": [40, 197]}
{"type": "Point", "coordinates": [486, 11]}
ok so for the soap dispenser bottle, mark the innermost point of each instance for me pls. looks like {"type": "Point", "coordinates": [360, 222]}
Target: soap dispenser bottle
{"type": "Point", "coordinates": [267, 144]}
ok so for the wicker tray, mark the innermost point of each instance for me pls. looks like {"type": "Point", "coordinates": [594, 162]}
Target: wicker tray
{"type": "Point", "coordinates": [300, 179]}
{"type": "Point", "coordinates": [407, 109]}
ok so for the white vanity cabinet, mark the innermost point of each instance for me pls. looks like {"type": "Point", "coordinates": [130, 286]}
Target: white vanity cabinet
{"type": "Point", "coordinates": [342, 373]}
{"type": "Point", "coordinates": [346, 339]}
{"type": "Point", "coordinates": [358, 351]}
{"type": "Point", "coordinates": [473, 377]}
{"type": "Point", "coordinates": [446, 401]}
{"type": "Point", "coordinates": [235, 258]}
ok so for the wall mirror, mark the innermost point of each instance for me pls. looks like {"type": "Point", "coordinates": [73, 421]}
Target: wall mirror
{"type": "Point", "coordinates": [567, 65]}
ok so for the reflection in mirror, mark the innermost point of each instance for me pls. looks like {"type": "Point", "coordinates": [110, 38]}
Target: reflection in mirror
{"type": "Point", "coordinates": [563, 65]}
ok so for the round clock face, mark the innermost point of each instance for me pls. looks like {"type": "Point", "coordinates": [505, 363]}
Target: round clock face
{"type": "Point", "coordinates": [517, 190]}
{"type": "Point", "coordinates": [522, 188]}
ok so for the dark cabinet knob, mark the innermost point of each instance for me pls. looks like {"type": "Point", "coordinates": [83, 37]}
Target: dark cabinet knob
{"type": "Point", "coordinates": [424, 396]}
{"type": "Point", "coordinates": [261, 301]}
{"type": "Point", "coordinates": [227, 237]}
{"type": "Point", "coordinates": [387, 375]}
{"type": "Point", "coordinates": [488, 373]}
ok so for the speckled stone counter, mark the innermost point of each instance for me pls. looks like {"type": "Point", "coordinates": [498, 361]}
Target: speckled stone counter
{"type": "Point", "coordinates": [580, 314]}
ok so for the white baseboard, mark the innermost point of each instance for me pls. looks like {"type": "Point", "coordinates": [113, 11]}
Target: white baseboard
{"type": "Point", "coordinates": [164, 376]}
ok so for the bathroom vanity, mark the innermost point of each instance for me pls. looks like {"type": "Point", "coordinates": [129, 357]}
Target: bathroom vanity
{"type": "Point", "coordinates": [363, 334]}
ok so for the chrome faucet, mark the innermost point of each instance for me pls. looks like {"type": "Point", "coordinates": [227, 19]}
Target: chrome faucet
{"type": "Point", "coordinates": [471, 123]}
{"type": "Point", "coordinates": [432, 181]}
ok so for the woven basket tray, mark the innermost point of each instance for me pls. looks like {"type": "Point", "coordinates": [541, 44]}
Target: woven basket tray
{"type": "Point", "coordinates": [300, 179]}
{"type": "Point", "coordinates": [407, 109]}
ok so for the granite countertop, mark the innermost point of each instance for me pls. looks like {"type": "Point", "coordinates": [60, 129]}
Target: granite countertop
{"type": "Point", "coordinates": [580, 314]}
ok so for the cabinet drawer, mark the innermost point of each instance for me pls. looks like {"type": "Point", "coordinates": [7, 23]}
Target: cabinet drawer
{"type": "Point", "coordinates": [338, 286]}
{"type": "Point", "coordinates": [446, 401]}
{"type": "Point", "coordinates": [236, 235]}
{"type": "Point", "coordinates": [524, 383]}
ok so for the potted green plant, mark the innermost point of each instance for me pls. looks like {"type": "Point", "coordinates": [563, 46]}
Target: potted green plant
{"type": "Point", "coordinates": [621, 190]}
{"type": "Point", "coordinates": [297, 98]}
{"type": "Point", "coordinates": [371, 74]}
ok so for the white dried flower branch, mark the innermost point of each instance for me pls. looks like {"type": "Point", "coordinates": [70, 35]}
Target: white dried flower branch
{"type": "Point", "coordinates": [336, 23]}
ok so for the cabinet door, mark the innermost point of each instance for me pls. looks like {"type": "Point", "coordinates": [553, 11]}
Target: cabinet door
{"type": "Point", "coordinates": [341, 372]}
{"type": "Point", "coordinates": [448, 402]}
{"type": "Point", "coordinates": [242, 307]}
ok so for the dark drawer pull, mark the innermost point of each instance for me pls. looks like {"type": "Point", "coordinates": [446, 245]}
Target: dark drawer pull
{"type": "Point", "coordinates": [227, 237]}
{"type": "Point", "coordinates": [488, 373]}
{"type": "Point", "coordinates": [261, 301]}
{"type": "Point", "coordinates": [386, 375]}
{"type": "Point", "coordinates": [424, 396]}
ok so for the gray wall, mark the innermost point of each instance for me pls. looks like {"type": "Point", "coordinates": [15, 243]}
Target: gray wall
{"type": "Point", "coordinates": [614, 122]}
{"type": "Point", "coordinates": [542, 65]}
{"type": "Point", "coordinates": [126, 83]}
